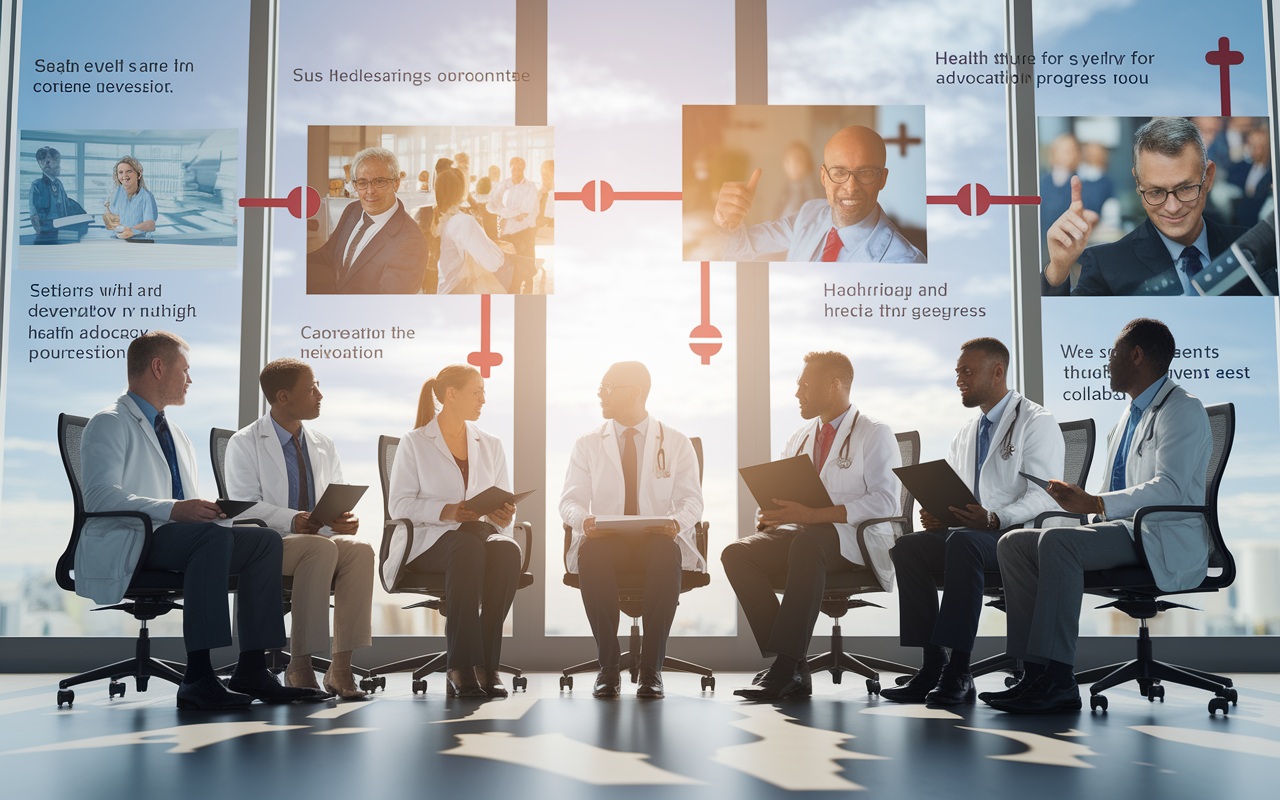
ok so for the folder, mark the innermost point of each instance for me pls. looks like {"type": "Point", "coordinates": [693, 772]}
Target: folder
{"type": "Point", "coordinates": [338, 499]}
{"type": "Point", "coordinates": [793, 479]}
{"type": "Point", "coordinates": [493, 498]}
{"type": "Point", "coordinates": [937, 487]}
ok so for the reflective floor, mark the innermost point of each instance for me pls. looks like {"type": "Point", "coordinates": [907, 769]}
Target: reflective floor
{"type": "Point", "coordinates": [548, 744]}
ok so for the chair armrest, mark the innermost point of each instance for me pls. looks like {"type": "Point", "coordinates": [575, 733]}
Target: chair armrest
{"type": "Point", "coordinates": [252, 521]}
{"type": "Point", "coordinates": [866, 523]}
{"type": "Point", "coordinates": [1203, 511]}
{"type": "Point", "coordinates": [1046, 515]}
{"type": "Point", "coordinates": [527, 546]}
{"type": "Point", "coordinates": [568, 540]}
{"type": "Point", "coordinates": [146, 533]}
{"type": "Point", "coordinates": [700, 529]}
{"type": "Point", "coordinates": [388, 530]}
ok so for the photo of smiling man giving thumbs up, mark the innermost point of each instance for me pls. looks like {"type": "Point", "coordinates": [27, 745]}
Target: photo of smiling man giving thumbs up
{"type": "Point", "coordinates": [848, 225]}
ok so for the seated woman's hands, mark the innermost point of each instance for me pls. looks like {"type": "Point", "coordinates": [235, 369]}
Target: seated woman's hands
{"type": "Point", "coordinates": [458, 512]}
{"type": "Point", "coordinates": [502, 516]}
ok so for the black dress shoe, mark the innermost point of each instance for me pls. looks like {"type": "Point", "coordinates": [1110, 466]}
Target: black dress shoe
{"type": "Point", "coordinates": [650, 684]}
{"type": "Point", "coordinates": [779, 683]}
{"type": "Point", "coordinates": [1043, 696]}
{"type": "Point", "coordinates": [463, 683]}
{"type": "Point", "coordinates": [953, 689]}
{"type": "Point", "coordinates": [264, 686]}
{"type": "Point", "coordinates": [759, 678]}
{"type": "Point", "coordinates": [208, 694]}
{"type": "Point", "coordinates": [608, 684]}
{"type": "Point", "coordinates": [491, 682]}
{"type": "Point", "coordinates": [1010, 693]}
{"type": "Point", "coordinates": [914, 690]}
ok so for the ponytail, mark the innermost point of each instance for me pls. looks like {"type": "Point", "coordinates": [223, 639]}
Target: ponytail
{"type": "Point", "coordinates": [454, 376]}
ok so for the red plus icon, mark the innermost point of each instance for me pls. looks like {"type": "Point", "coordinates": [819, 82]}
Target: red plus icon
{"type": "Point", "coordinates": [903, 141]}
{"type": "Point", "coordinates": [1224, 58]}
{"type": "Point", "coordinates": [485, 359]}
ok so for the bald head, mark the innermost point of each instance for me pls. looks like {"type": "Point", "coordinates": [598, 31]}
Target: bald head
{"type": "Point", "coordinates": [623, 392]}
{"type": "Point", "coordinates": [853, 174]}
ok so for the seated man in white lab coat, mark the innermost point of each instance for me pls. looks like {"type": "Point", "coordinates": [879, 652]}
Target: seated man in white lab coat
{"type": "Point", "coordinates": [1157, 455]}
{"type": "Point", "coordinates": [848, 225]}
{"type": "Point", "coordinates": [286, 467]}
{"type": "Point", "coordinates": [633, 465]}
{"type": "Point", "coordinates": [855, 456]}
{"type": "Point", "coordinates": [1012, 435]}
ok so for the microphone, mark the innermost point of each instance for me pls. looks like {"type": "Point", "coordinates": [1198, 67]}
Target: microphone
{"type": "Point", "coordinates": [1247, 267]}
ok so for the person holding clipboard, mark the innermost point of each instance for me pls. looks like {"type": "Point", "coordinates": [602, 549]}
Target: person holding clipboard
{"type": "Point", "coordinates": [1012, 435]}
{"type": "Point", "coordinates": [440, 464]}
{"type": "Point", "coordinates": [636, 466]}
{"type": "Point", "coordinates": [285, 467]}
{"type": "Point", "coordinates": [855, 456]}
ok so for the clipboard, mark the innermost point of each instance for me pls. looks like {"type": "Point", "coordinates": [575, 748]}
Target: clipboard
{"type": "Point", "coordinates": [1041, 482]}
{"type": "Point", "coordinates": [234, 508]}
{"type": "Point", "coordinates": [793, 479]}
{"type": "Point", "coordinates": [628, 525]}
{"type": "Point", "coordinates": [338, 499]}
{"type": "Point", "coordinates": [491, 499]}
{"type": "Point", "coordinates": [937, 487]}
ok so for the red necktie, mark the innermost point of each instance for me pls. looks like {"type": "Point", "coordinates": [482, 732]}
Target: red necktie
{"type": "Point", "coordinates": [832, 248]}
{"type": "Point", "coordinates": [828, 436]}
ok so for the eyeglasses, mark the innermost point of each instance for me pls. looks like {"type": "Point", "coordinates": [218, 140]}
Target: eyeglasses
{"type": "Point", "coordinates": [865, 176]}
{"type": "Point", "coordinates": [610, 388]}
{"type": "Point", "coordinates": [1185, 194]}
{"type": "Point", "coordinates": [377, 183]}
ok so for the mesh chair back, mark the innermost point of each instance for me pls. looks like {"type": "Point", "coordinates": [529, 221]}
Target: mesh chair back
{"type": "Point", "coordinates": [1080, 436]}
{"type": "Point", "coordinates": [909, 450]}
{"type": "Point", "coordinates": [696, 441]}
{"type": "Point", "coordinates": [1222, 423]}
{"type": "Point", "coordinates": [218, 439]}
{"type": "Point", "coordinates": [70, 432]}
{"type": "Point", "coordinates": [387, 446]}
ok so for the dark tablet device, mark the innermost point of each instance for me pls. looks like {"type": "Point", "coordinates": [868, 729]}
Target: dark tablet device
{"type": "Point", "coordinates": [234, 508]}
{"type": "Point", "coordinates": [937, 487]}
{"type": "Point", "coordinates": [338, 499]}
{"type": "Point", "coordinates": [491, 499]}
{"type": "Point", "coordinates": [793, 479]}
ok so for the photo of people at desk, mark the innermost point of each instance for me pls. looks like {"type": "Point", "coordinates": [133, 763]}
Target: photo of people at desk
{"type": "Point", "coordinates": [411, 210]}
{"type": "Point", "coordinates": [85, 195]}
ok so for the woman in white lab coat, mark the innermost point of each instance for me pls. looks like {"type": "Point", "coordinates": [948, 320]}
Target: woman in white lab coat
{"type": "Point", "coordinates": [443, 461]}
{"type": "Point", "coordinates": [470, 262]}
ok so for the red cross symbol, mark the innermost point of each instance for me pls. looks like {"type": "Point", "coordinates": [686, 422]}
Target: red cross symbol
{"type": "Point", "coordinates": [903, 141]}
{"type": "Point", "coordinates": [485, 358]}
{"type": "Point", "coordinates": [1224, 58]}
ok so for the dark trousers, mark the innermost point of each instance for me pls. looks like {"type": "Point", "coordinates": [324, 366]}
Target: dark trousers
{"type": "Point", "coordinates": [523, 241]}
{"type": "Point", "coordinates": [653, 556]}
{"type": "Point", "coordinates": [964, 555]}
{"type": "Point", "coordinates": [523, 269]}
{"type": "Point", "coordinates": [806, 553]}
{"type": "Point", "coordinates": [481, 573]}
{"type": "Point", "coordinates": [207, 555]}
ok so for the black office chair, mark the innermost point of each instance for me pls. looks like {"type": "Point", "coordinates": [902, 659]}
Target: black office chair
{"type": "Point", "coordinates": [631, 602]}
{"type": "Point", "coordinates": [277, 660]}
{"type": "Point", "coordinates": [1080, 436]}
{"type": "Point", "coordinates": [430, 584]}
{"type": "Point", "coordinates": [838, 593]}
{"type": "Point", "coordinates": [1135, 593]}
{"type": "Point", "coordinates": [151, 593]}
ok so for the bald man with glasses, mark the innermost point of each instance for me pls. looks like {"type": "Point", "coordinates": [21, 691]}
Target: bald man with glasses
{"type": "Point", "coordinates": [848, 225]}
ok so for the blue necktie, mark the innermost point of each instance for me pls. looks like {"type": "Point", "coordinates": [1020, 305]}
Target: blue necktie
{"type": "Point", "coordinates": [984, 445]}
{"type": "Point", "coordinates": [1189, 263]}
{"type": "Point", "coordinates": [170, 454]}
{"type": "Point", "coordinates": [1122, 452]}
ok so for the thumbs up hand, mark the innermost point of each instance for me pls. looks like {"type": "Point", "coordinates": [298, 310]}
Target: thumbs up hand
{"type": "Point", "coordinates": [1069, 235]}
{"type": "Point", "coordinates": [734, 202]}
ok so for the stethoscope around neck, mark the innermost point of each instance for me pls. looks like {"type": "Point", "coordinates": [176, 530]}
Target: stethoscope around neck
{"type": "Point", "coordinates": [1006, 442]}
{"type": "Point", "coordinates": [842, 457]}
{"type": "Point", "coordinates": [660, 458]}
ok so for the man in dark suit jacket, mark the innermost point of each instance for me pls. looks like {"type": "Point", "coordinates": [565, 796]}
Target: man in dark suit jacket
{"type": "Point", "coordinates": [1253, 177]}
{"type": "Point", "coordinates": [377, 248]}
{"type": "Point", "coordinates": [1176, 242]}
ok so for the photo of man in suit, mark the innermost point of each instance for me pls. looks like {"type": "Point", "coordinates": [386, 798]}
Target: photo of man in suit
{"type": "Point", "coordinates": [376, 247]}
{"type": "Point", "coordinates": [1176, 242]}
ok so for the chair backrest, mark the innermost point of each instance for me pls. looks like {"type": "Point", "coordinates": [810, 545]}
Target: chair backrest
{"type": "Point", "coordinates": [1222, 423]}
{"type": "Point", "coordinates": [387, 446]}
{"type": "Point", "coordinates": [70, 431]}
{"type": "Point", "coordinates": [1080, 436]}
{"type": "Point", "coordinates": [909, 449]}
{"type": "Point", "coordinates": [218, 439]}
{"type": "Point", "coordinates": [696, 441]}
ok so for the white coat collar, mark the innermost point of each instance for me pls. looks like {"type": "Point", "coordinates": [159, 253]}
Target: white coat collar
{"type": "Point", "coordinates": [432, 431]}
{"type": "Point", "coordinates": [150, 432]}
{"type": "Point", "coordinates": [845, 430]}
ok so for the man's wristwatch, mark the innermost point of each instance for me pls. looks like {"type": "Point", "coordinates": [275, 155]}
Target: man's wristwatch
{"type": "Point", "coordinates": [993, 521]}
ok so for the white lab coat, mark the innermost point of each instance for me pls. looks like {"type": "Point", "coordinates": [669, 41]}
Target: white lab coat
{"type": "Point", "coordinates": [425, 478]}
{"type": "Point", "coordinates": [867, 488]}
{"type": "Point", "coordinates": [123, 468]}
{"type": "Point", "coordinates": [1038, 449]}
{"type": "Point", "coordinates": [594, 486]}
{"type": "Point", "coordinates": [803, 236]}
{"type": "Point", "coordinates": [255, 470]}
{"type": "Point", "coordinates": [1168, 459]}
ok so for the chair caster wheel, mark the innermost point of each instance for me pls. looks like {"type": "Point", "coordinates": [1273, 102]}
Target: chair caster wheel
{"type": "Point", "coordinates": [368, 685]}
{"type": "Point", "coordinates": [1233, 696]}
{"type": "Point", "coordinates": [836, 676]}
{"type": "Point", "coordinates": [902, 680]}
{"type": "Point", "coordinates": [66, 696]}
{"type": "Point", "coordinates": [1010, 682]}
{"type": "Point", "coordinates": [520, 684]}
{"type": "Point", "coordinates": [419, 686]}
{"type": "Point", "coordinates": [381, 680]}
{"type": "Point", "coordinates": [1156, 691]}
{"type": "Point", "coordinates": [115, 688]}
{"type": "Point", "coordinates": [1097, 702]}
{"type": "Point", "coordinates": [1218, 704]}
{"type": "Point", "coordinates": [708, 684]}
{"type": "Point", "coordinates": [566, 683]}
{"type": "Point", "coordinates": [873, 686]}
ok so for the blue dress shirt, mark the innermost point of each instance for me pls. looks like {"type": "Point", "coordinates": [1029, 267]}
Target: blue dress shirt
{"type": "Point", "coordinates": [167, 445]}
{"type": "Point", "coordinates": [48, 200]}
{"type": "Point", "coordinates": [291, 466]}
{"type": "Point", "coordinates": [134, 210]}
{"type": "Point", "coordinates": [1137, 408]}
{"type": "Point", "coordinates": [1175, 250]}
{"type": "Point", "coordinates": [989, 421]}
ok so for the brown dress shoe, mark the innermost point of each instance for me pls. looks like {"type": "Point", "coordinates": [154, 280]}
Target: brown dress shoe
{"type": "Point", "coordinates": [491, 682]}
{"type": "Point", "coordinates": [650, 684]}
{"type": "Point", "coordinates": [463, 683]}
{"type": "Point", "coordinates": [608, 683]}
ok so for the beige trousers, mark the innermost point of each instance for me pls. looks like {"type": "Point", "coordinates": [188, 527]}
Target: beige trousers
{"type": "Point", "coordinates": [318, 563]}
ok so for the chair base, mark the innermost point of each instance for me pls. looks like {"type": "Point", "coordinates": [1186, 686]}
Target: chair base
{"type": "Point", "coordinates": [1150, 674]}
{"type": "Point", "coordinates": [142, 667]}
{"type": "Point", "coordinates": [837, 662]}
{"type": "Point", "coordinates": [422, 666]}
{"type": "Point", "coordinates": [630, 661]}
{"type": "Point", "coordinates": [998, 663]}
